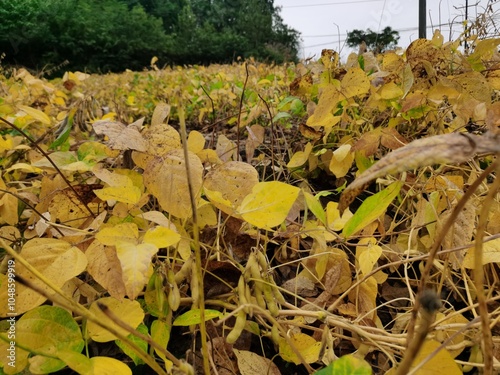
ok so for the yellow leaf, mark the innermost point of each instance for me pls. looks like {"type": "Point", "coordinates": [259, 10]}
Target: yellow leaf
{"type": "Point", "coordinates": [8, 206]}
{"type": "Point", "coordinates": [323, 112]}
{"type": "Point", "coordinates": [109, 366]}
{"type": "Point", "coordinates": [20, 362]}
{"type": "Point", "coordinates": [131, 100]}
{"type": "Point", "coordinates": [127, 232]}
{"type": "Point", "coordinates": [333, 218]}
{"type": "Point", "coordinates": [196, 141]}
{"type": "Point", "coordinates": [57, 260]}
{"type": "Point", "coordinates": [440, 363]}
{"type": "Point", "coordinates": [159, 140]}
{"type": "Point", "coordinates": [130, 312]}
{"type": "Point", "coordinates": [367, 254]}
{"type": "Point", "coordinates": [491, 254]}
{"type": "Point", "coordinates": [447, 327]}
{"type": "Point", "coordinates": [6, 144]}
{"type": "Point", "coordinates": [76, 361]}
{"type": "Point", "coordinates": [130, 194]}
{"type": "Point", "coordinates": [206, 214]}
{"type": "Point", "coordinates": [110, 178]}
{"type": "Point", "coordinates": [166, 178]}
{"type": "Point", "coordinates": [341, 161]}
{"type": "Point", "coordinates": [300, 157]}
{"type": "Point", "coordinates": [355, 83]}
{"type": "Point", "coordinates": [209, 156]}
{"type": "Point", "coordinates": [36, 114]}
{"type": "Point", "coordinates": [390, 91]}
{"type": "Point", "coordinates": [308, 347]}
{"type": "Point", "coordinates": [161, 237]}
{"type": "Point", "coordinates": [135, 261]}
{"type": "Point", "coordinates": [216, 198]}
{"type": "Point", "coordinates": [25, 167]}
{"type": "Point", "coordinates": [268, 204]}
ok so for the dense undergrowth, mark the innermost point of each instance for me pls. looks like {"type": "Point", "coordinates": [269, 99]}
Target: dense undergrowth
{"type": "Point", "coordinates": [191, 219]}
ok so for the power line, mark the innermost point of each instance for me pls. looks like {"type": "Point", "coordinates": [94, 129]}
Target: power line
{"type": "Point", "coordinates": [327, 4]}
{"type": "Point", "coordinates": [398, 30]}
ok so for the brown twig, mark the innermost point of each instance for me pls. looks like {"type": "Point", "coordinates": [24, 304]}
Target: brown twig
{"type": "Point", "coordinates": [437, 243]}
{"type": "Point", "coordinates": [240, 110]}
{"type": "Point", "coordinates": [479, 272]}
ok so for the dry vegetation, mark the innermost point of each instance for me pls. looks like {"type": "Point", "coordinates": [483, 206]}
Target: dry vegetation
{"type": "Point", "coordinates": [250, 218]}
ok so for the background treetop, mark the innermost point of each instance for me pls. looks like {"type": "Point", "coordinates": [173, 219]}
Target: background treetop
{"type": "Point", "coordinates": [376, 42]}
{"type": "Point", "coordinates": [114, 35]}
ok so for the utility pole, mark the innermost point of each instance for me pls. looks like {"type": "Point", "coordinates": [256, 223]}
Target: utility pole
{"type": "Point", "coordinates": [422, 16]}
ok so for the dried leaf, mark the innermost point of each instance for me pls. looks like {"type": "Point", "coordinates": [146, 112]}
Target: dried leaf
{"type": "Point", "coordinates": [166, 178]}
{"type": "Point", "coordinates": [105, 268]}
{"type": "Point", "coordinates": [250, 363]}
{"type": "Point", "coordinates": [121, 137]}
{"type": "Point", "coordinates": [460, 233]}
{"type": "Point", "coordinates": [439, 149]}
{"type": "Point", "coordinates": [234, 180]}
{"type": "Point", "coordinates": [255, 138]}
{"type": "Point", "coordinates": [161, 112]}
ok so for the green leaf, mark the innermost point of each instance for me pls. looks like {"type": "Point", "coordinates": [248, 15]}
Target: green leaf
{"type": "Point", "coordinates": [66, 127]}
{"type": "Point", "coordinates": [160, 333]}
{"type": "Point", "coordinates": [48, 329]}
{"type": "Point", "coordinates": [136, 340]}
{"type": "Point", "coordinates": [193, 317]}
{"type": "Point", "coordinates": [315, 206]}
{"type": "Point", "coordinates": [346, 365]}
{"type": "Point", "coordinates": [371, 209]}
{"type": "Point", "coordinates": [281, 115]}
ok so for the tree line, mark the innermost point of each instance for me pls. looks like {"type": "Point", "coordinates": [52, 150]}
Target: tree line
{"type": "Point", "coordinates": [114, 35]}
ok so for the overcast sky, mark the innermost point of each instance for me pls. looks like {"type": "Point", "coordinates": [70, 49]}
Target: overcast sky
{"type": "Point", "coordinates": [325, 23]}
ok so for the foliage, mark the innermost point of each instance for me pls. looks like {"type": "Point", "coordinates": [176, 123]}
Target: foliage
{"type": "Point", "coordinates": [74, 31]}
{"type": "Point", "coordinates": [376, 42]}
{"type": "Point", "coordinates": [304, 212]}
{"type": "Point", "coordinates": [114, 35]}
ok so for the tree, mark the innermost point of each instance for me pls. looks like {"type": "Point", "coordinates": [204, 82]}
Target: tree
{"type": "Point", "coordinates": [377, 42]}
{"type": "Point", "coordinates": [221, 30]}
{"type": "Point", "coordinates": [92, 35]}
{"type": "Point", "coordinates": [113, 35]}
